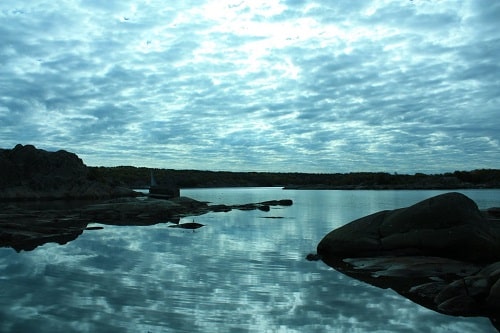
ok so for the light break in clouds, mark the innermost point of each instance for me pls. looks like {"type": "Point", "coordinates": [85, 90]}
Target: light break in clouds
{"type": "Point", "coordinates": [308, 86]}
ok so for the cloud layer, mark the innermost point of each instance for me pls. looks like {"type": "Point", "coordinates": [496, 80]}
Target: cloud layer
{"type": "Point", "coordinates": [398, 86]}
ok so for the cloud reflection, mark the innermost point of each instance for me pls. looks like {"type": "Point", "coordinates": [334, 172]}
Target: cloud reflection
{"type": "Point", "coordinates": [238, 273]}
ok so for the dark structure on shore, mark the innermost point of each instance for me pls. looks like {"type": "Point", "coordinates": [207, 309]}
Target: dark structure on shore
{"type": "Point", "coordinates": [166, 191]}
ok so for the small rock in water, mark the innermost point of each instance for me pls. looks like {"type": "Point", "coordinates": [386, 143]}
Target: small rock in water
{"type": "Point", "coordinates": [313, 257]}
{"type": "Point", "coordinates": [189, 225]}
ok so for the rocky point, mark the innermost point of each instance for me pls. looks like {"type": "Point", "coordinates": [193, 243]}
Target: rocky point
{"type": "Point", "coordinates": [442, 253]}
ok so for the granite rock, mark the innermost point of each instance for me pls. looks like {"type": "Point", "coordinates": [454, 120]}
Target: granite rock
{"type": "Point", "coordinates": [442, 253]}
{"type": "Point", "coordinates": [448, 225]}
{"type": "Point", "coordinates": [28, 173]}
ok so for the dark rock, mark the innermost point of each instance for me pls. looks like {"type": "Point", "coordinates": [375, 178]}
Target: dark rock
{"type": "Point", "coordinates": [130, 211]}
{"type": "Point", "coordinates": [220, 208]}
{"type": "Point", "coordinates": [448, 225]}
{"type": "Point", "coordinates": [26, 228]}
{"type": "Point", "coordinates": [313, 257]}
{"type": "Point", "coordinates": [23, 230]}
{"type": "Point", "coordinates": [442, 253]}
{"type": "Point", "coordinates": [283, 202]}
{"type": "Point", "coordinates": [493, 299]}
{"type": "Point", "coordinates": [26, 165]}
{"type": "Point", "coordinates": [188, 225]}
{"type": "Point", "coordinates": [493, 213]}
{"type": "Point", "coordinates": [476, 294]}
{"type": "Point", "coordinates": [28, 173]}
{"type": "Point", "coordinates": [444, 285]}
{"type": "Point", "coordinates": [264, 206]}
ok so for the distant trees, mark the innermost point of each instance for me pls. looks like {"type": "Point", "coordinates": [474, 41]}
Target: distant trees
{"type": "Point", "coordinates": [480, 176]}
{"type": "Point", "coordinates": [134, 177]}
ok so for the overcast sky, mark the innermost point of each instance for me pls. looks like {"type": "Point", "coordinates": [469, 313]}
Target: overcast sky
{"type": "Point", "coordinates": [309, 86]}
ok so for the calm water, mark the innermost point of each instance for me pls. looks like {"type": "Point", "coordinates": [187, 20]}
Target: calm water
{"type": "Point", "coordinates": [243, 272]}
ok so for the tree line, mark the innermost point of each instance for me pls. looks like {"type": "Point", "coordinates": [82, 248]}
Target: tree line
{"type": "Point", "coordinates": [139, 177]}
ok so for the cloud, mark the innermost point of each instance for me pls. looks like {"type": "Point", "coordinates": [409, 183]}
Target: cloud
{"type": "Point", "coordinates": [252, 86]}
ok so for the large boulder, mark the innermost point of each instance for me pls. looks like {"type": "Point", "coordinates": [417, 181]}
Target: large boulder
{"type": "Point", "coordinates": [448, 225]}
{"type": "Point", "coordinates": [442, 253]}
{"type": "Point", "coordinates": [29, 173]}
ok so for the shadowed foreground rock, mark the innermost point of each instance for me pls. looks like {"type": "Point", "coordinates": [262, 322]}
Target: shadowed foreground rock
{"type": "Point", "coordinates": [26, 228]}
{"type": "Point", "coordinates": [442, 253]}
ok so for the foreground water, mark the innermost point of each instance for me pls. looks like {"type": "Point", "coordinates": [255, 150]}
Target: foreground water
{"type": "Point", "coordinates": [243, 272]}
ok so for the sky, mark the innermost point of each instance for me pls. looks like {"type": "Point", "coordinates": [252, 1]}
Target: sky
{"type": "Point", "coordinates": [282, 86]}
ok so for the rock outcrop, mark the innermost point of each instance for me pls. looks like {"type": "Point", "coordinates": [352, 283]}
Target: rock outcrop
{"type": "Point", "coordinates": [442, 253]}
{"type": "Point", "coordinates": [28, 173]}
{"type": "Point", "coordinates": [25, 228]}
{"type": "Point", "coordinates": [129, 211]}
{"type": "Point", "coordinates": [448, 225]}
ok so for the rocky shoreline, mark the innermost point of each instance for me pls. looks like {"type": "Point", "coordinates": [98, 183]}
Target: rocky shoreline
{"type": "Point", "coordinates": [442, 253]}
{"type": "Point", "coordinates": [33, 181]}
{"type": "Point", "coordinates": [24, 229]}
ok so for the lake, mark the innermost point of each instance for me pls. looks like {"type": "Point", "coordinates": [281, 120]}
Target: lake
{"type": "Point", "coordinates": [244, 271]}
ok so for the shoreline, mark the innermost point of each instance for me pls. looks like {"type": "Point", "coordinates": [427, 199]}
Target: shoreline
{"type": "Point", "coordinates": [389, 187]}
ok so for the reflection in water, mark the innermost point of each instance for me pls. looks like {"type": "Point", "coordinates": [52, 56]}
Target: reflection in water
{"type": "Point", "coordinates": [26, 233]}
{"type": "Point", "coordinates": [238, 273]}
{"type": "Point", "coordinates": [423, 280]}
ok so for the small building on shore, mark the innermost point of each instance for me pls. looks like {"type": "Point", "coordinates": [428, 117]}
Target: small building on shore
{"type": "Point", "coordinates": [163, 191]}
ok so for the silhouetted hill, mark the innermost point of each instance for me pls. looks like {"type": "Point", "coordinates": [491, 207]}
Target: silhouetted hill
{"type": "Point", "coordinates": [28, 173]}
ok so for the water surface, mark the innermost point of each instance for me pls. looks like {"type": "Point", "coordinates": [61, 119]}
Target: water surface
{"type": "Point", "coordinates": [243, 272]}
